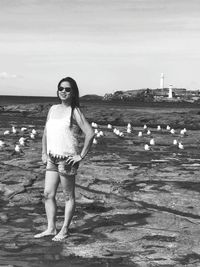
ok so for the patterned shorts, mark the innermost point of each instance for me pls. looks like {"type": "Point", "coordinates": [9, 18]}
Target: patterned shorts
{"type": "Point", "coordinates": [61, 166]}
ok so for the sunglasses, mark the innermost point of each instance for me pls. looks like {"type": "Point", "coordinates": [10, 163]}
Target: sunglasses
{"type": "Point", "coordinates": [67, 89]}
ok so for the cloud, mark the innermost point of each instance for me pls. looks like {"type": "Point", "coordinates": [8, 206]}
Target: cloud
{"type": "Point", "coordinates": [6, 75]}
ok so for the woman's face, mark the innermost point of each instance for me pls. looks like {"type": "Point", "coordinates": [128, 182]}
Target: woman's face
{"type": "Point", "coordinates": [64, 91]}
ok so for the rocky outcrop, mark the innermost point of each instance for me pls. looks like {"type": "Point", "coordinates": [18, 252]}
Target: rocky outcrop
{"type": "Point", "coordinates": [134, 207]}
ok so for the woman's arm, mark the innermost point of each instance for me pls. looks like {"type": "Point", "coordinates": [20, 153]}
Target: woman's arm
{"type": "Point", "coordinates": [44, 141]}
{"type": "Point", "coordinates": [86, 129]}
{"type": "Point", "coordinates": [44, 146]}
{"type": "Point", "coordinates": [89, 135]}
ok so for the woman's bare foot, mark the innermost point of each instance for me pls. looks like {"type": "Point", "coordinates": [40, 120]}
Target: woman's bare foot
{"type": "Point", "coordinates": [46, 233]}
{"type": "Point", "coordinates": [61, 235]}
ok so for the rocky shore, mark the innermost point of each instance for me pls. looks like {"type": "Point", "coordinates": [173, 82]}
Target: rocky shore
{"type": "Point", "coordinates": [134, 207]}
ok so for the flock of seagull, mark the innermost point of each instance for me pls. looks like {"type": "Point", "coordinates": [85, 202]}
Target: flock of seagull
{"type": "Point", "coordinates": [25, 135]}
{"type": "Point", "coordinates": [146, 130]}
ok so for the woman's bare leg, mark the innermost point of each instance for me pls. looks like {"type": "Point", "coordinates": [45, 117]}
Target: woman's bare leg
{"type": "Point", "coordinates": [52, 180]}
{"type": "Point", "coordinates": [68, 185]}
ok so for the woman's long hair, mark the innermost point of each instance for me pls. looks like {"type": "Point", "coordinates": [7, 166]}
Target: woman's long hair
{"type": "Point", "coordinates": [74, 94]}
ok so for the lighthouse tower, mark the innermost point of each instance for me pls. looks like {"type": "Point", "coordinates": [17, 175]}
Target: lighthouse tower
{"type": "Point", "coordinates": [162, 81]}
{"type": "Point", "coordinates": [170, 91]}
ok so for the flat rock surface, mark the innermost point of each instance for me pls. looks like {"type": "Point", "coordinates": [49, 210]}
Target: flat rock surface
{"type": "Point", "coordinates": [134, 207]}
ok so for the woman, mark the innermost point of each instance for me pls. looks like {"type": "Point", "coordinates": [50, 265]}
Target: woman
{"type": "Point", "coordinates": [60, 153]}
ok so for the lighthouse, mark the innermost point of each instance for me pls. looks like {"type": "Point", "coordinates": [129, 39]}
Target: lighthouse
{"type": "Point", "coordinates": [162, 81]}
{"type": "Point", "coordinates": [170, 91]}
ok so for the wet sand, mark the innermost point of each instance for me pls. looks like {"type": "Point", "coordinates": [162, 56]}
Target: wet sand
{"type": "Point", "coordinates": [134, 207]}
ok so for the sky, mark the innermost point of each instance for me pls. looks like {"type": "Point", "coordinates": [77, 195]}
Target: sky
{"type": "Point", "coordinates": [105, 45]}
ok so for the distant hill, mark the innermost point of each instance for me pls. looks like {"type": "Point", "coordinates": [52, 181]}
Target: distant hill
{"type": "Point", "coordinates": [91, 97]}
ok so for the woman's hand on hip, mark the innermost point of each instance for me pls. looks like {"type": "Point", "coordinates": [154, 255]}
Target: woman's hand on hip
{"type": "Point", "coordinates": [73, 159]}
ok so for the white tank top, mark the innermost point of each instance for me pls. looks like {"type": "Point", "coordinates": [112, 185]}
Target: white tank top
{"type": "Point", "coordinates": [61, 139]}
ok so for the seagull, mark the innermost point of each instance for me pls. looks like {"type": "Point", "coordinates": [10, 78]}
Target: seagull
{"type": "Point", "coordinates": [23, 129]}
{"type": "Point", "coordinates": [94, 141]}
{"type": "Point", "coordinates": [148, 132]}
{"type": "Point", "coordinates": [34, 131]}
{"type": "Point", "coordinates": [14, 130]}
{"type": "Point", "coordinates": [98, 135]}
{"type": "Point", "coordinates": [96, 131]}
{"type": "Point", "coordinates": [17, 148]}
{"type": "Point", "coordinates": [129, 126]}
{"type": "Point", "coordinates": [2, 143]}
{"type": "Point", "coordinates": [172, 131]}
{"type": "Point", "coordinates": [32, 136]}
{"type": "Point", "coordinates": [146, 147]}
{"type": "Point", "coordinates": [101, 133]}
{"type": "Point", "coordinates": [158, 128]}
{"type": "Point", "coordinates": [109, 126]}
{"type": "Point", "coordinates": [152, 142]}
{"type": "Point", "coordinates": [180, 145]}
{"type": "Point", "coordinates": [94, 125]}
{"type": "Point", "coordinates": [140, 134]}
{"type": "Point", "coordinates": [121, 134]}
{"type": "Point", "coordinates": [182, 132]}
{"type": "Point", "coordinates": [145, 126]}
{"type": "Point", "coordinates": [21, 139]}
{"type": "Point", "coordinates": [22, 142]}
{"type": "Point", "coordinates": [117, 132]}
{"type": "Point", "coordinates": [6, 132]}
{"type": "Point", "coordinates": [168, 127]}
{"type": "Point", "coordinates": [175, 142]}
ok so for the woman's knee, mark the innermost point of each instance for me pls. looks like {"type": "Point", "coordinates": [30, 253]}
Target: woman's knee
{"type": "Point", "coordinates": [49, 195]}
{"type": "Point", "coordinates": [69, 195]}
